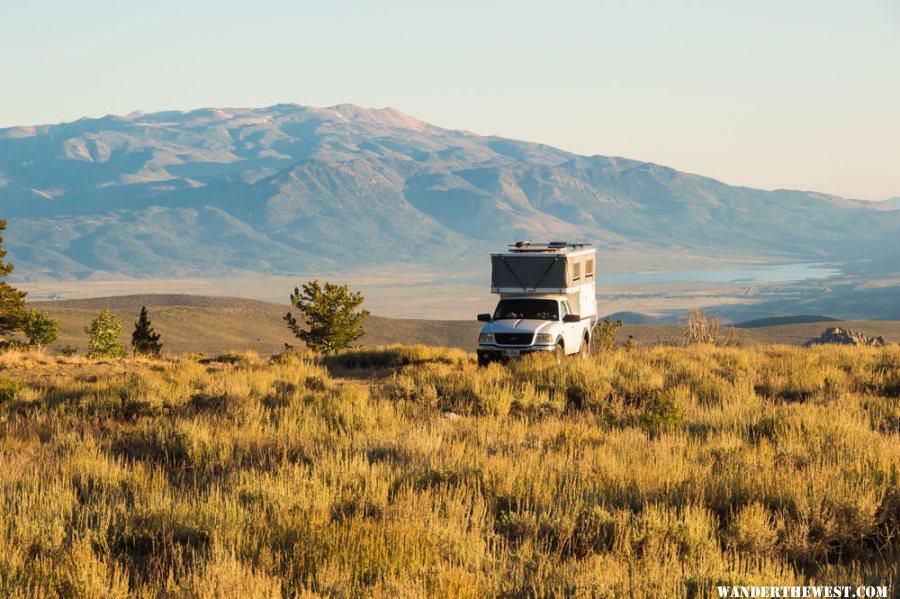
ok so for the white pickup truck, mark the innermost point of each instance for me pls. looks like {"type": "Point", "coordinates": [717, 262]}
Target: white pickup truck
{"type": "Point", "coordinates": [547, 302]}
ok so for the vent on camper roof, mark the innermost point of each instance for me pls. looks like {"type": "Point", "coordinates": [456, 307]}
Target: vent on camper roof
{"type": "Point", "coordinates": [557, 244]}
{"type": "Point", "coordinates": [523, 244]}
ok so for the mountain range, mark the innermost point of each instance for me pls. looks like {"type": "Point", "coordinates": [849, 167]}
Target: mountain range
{"type": "Point", "coordinates": [294, 189]}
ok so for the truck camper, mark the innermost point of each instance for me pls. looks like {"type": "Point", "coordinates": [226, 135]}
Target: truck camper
{"type": "Point", "coordinates": [547, 301]}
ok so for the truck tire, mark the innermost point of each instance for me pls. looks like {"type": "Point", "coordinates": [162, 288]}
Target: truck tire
{"type": "Point", "coordinates": [585, 351]}
{"type": "Point", "coordinates": [560, 353]}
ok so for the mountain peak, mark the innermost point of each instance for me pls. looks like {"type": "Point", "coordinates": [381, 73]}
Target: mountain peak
{"type": "Point", "coordinates": [388, 117]}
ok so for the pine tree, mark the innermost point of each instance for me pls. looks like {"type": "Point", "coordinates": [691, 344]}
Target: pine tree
{"type": "Point", "coordinates": [12, 301]}
{"type": "Point", "coordinates": [104, 337]}
{"type": "Point", "coordinates": [330, 314]}
{"type": "Point", "coordinates": [144, 340]}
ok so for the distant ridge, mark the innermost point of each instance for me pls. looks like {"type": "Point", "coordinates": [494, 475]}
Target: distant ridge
{"type": "Point", "coordinates": [783, 320]}
{"type": "Point", "coordinates": [157, 300]}
{"type": "Point", "coordinates": [290, 189]}
{"type": "Point", "coordinates": [635, 318]}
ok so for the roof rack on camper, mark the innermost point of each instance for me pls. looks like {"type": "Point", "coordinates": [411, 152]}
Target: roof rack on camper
{"type": "Point", "coordinates": [529, 247]}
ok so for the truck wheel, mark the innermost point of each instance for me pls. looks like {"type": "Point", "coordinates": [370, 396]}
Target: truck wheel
{"type": "Point", "coordinates": [560, 353]}
{"type": "Point", "coordinates": [585, 351]}
{"type": "Point", "coordinates": [483, 361]}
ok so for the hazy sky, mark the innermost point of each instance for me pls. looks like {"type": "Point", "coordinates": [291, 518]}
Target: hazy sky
{"type": "Point", "coordinates": [802, 94]}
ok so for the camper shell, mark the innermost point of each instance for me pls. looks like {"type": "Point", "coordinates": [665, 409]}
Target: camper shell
{"type": "Point", "coordinates": [550, 269]}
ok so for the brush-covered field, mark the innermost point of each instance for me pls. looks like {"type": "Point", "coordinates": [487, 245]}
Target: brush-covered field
{"type": "Point", "coordinates": [409, 472]}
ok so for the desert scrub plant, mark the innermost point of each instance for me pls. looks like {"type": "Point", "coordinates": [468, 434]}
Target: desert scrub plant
{"type": "Point", "coordinates": [752, 530]}
{"type": "Point", "coordinates": [802, 375]}
{"type": "Point", "coordinates": [395, 356]}
{"type": "Point", "coordinates": [700, 326]}
{"type": "Point", "coordinates": [9, 389]}
{"type": "Point", "coordinates": [68, 350]}
{"type": "Point", "coordinates": [226, 576]}
{"type": "Point", "coordinates": [604, 336]}
{"type": "Point", "coordinates": [637, 381]}
{"type": "Point", "coordinates": [103, 336]}
{"type": "Point", "coordinates": [712, 390]}
{"type": "Point", "coordinates": [586, 391]}
{"type": "Point", "coordinates": [145, 539]}
{"type": "Point", "coordinates": [691, 531]}
{"type": "Point", "coordinates": [661, 415]}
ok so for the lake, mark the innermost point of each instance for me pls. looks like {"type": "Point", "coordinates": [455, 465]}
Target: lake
{"type": "Point", "coordinates": [771, 273]}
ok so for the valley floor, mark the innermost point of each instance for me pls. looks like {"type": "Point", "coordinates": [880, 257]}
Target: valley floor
{"type": "Point", "coordinates": [212, 325]}
{"type": "Point", "coordinates": [408, 471]}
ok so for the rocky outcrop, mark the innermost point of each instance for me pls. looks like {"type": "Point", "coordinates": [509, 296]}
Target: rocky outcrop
{"type": "Point", "coordinates": [840, 336]}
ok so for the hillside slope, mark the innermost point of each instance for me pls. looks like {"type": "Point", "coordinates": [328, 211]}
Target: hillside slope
{"type": "Point", "coordinates": [298, 189]}
{"type": "Point", "coordinates": [212, 325]}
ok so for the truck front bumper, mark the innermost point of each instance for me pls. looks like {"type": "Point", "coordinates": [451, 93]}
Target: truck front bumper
{"type": "Point", "coordinates": [494, 353]}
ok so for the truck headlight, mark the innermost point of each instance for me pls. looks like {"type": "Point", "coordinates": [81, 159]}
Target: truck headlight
{"type": "Point", "coordinates": [485, 338]}
{"type": "Point", "coordinates": [543, 338]}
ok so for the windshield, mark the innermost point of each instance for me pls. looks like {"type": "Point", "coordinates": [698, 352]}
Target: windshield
{"type": "Point", "coordinates": [528, 309]}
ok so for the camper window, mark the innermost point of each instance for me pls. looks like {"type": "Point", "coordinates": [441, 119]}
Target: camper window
{"type": "Point", "coordinates": [576, 271]}
{"type": "Point", "coordinates": [589, 270]}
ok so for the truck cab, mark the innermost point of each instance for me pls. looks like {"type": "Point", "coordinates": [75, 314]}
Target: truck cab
{"type": "Point", "coordinates": [522, 325]}
{"type": "Point", "coordinates": [547, 302]}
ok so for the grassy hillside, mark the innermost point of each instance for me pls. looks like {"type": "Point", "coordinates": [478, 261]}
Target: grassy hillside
{"type": "Point", "coordinates": [410, 472]}
{"type": "Point", "coordinates": [210, 325]}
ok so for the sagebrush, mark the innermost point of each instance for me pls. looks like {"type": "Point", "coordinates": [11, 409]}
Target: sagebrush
{"type": "Point", "coordinates": [401, 472]}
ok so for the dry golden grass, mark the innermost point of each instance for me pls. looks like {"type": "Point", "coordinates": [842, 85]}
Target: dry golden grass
{"type": "Point", "coordinates": [409, 472]}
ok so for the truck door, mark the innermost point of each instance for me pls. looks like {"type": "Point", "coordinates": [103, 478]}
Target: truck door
{"type": "Point", "coordinates": [570, 330]}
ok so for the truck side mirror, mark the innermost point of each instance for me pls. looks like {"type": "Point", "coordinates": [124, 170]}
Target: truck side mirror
{"type": "Point", "coordinates": [571, 318]}
{"type": "Point", "coordinates": [484, 318]}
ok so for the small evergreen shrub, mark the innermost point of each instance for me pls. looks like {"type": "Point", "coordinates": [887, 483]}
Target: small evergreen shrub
{"type": "Point", "coordinates": [144, 340]}
{"type": "Point", "coordinates": [662, 414]}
